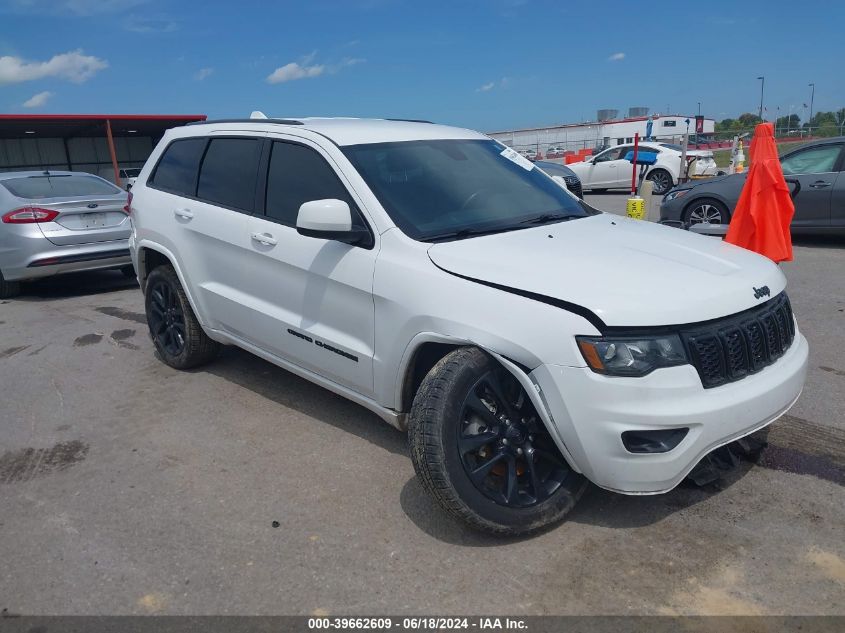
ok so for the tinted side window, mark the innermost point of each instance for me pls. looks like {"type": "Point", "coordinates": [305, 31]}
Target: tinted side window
{"type": "Point", "coordinates": [816, 160]}
{"type": "Point", "coordinates": [228, 172]}
{"type": "Point", "coordinates": [177, 169]}
{"type": "Point", "coordinates": [299, 174]}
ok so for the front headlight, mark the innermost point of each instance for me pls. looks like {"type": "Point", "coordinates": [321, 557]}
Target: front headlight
{"type": "Point", "coordinates": [631, 356]}
{"type": "Point", "coordinates": [680, 193]}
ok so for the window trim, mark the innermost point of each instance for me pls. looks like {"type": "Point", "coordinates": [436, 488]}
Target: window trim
{"type": "Point", "coordinates": [264, 178]}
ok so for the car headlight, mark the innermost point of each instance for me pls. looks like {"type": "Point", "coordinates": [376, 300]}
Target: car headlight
{"type": "Point", "coordinates": [675, 194]}
{"type": "Point", "coordinates": [631, 356]}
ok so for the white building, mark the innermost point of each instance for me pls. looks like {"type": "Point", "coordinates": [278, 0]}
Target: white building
{"type": "Point", "coordinates": [594, 134]}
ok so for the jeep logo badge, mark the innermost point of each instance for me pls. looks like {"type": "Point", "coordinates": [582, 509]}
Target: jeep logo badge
{"type": "Point", "coordinates": [763, 291]}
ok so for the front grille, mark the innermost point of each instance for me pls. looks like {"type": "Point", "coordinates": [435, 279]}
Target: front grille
{"type": "Point", "coordinates": [574, 185]}
{"type": "Point", "coordinates": [729, 349]}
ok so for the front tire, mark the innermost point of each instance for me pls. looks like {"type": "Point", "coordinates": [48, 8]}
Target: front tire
{"type": "Point", "coordinates": [9, 289]}
{"type": "Point", "coordinates": [661, 181]}
{"type": "Point", "coordinates": [480, 449]}
{"type": "Point", "coordinates": [177, 335]}
{"type": "Point", "coordinates": [706, 211]}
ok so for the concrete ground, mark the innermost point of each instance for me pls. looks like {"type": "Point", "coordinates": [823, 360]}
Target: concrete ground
{"type": "Point", "coordinates": [130, 488]}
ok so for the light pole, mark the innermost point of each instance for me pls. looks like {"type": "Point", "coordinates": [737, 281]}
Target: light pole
{"type": "Point", "coordinates": [762, 85]}
{"type": "Point", "coordinates": [810, 122]}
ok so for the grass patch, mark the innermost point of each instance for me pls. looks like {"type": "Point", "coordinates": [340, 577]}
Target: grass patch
{"type": "Point", "coordinates": [723, 156]}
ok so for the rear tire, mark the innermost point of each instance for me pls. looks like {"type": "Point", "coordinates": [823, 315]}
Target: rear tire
{"type": "Point", "coordinates": [177, 335]}
{"type": "Point", "coordinates": [516, 481]}
{"type": "Point", "coordinates": [9, 289]}
{"type": "Point", "coordinates": [661, 181]}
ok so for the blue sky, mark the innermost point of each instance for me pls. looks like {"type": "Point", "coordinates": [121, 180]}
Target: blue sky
{"type": "Point", "coordinates": [486, 64]}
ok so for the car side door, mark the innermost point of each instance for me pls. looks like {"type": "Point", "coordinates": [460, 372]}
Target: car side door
{"type": "Point", "coordinates": [603, 171]}
{"type": "Point", "coordinates": [311, 298]}
{"type": "Point", "coordinates": [207, 190]}
{"type": "Point", "coordinates": [815, 169]}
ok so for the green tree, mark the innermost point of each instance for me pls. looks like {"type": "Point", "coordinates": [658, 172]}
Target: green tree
{"type": "Point", "coordinates": [786, 123]}
{"type": "Point", "coordinates": [749, 120]}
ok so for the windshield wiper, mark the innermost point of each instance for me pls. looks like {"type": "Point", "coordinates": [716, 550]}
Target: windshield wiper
{"type": "Point", "coordinates": [463, 233]}
{"type": "Point", "coordinates": [545, 218]}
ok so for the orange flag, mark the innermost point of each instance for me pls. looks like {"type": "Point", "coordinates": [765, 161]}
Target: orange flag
{"type": "Point", "coordinates": [764, 211]}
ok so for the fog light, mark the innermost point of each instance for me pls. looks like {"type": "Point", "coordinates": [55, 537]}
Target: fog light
{"type": "Point", "coordinates": [661, 441]}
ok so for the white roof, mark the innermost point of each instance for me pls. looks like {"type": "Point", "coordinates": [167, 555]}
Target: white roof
{"type": "Point", "coordinates": [347, 131]}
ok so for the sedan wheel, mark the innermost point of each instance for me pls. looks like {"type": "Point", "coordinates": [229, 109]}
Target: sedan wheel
{"type": "Point", "coordinates": [661, 180]}
{"type": "Point", "coordinates": [707, 212]}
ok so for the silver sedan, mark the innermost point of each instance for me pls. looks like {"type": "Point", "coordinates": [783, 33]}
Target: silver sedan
{"type": "Point", "coordinates": [57, 222]}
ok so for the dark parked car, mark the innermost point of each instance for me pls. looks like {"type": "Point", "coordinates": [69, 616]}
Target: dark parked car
{"type": "Point", "coordinates": [815, 173]}
{"type": "Point", "coordinates": [573, 183]}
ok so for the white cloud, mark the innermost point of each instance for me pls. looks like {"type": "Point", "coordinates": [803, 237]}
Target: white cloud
{"type": "Point", "coordinates": [71, 66]}
{"type": "Point", "coordinates": [616, 57]}
{"type": "Point", "coordinates": [76, 7]}
{"type": "Point", "coordinates": [305, 69]}
{"type": "Point", "coordinates": [293, 71]}
{"type": "Point", "coordinates": [36, 101]}
{"type": "Point", "coordinates": [147, 25]}
{"type": "Point", "coordinates": [203, 73]}
{"type": "Point", "coordinates": [503, 83]}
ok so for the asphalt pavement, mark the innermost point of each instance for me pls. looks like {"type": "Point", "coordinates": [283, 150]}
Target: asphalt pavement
{"type": "Point", "coordinates": [129, 488]}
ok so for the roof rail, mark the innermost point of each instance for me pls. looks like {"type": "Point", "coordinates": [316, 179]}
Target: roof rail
{"type": "Point", "coordinates": [411, 121]}
{"type": "Point", "coordinates": [279, 121]}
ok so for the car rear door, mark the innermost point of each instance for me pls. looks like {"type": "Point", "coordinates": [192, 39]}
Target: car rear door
{"type": "Point", "coordinates": [311, 299]}
{"type": "Point", "coordinates": [815, 169]}
{"type": "Point", "coordinates": [205, 191]}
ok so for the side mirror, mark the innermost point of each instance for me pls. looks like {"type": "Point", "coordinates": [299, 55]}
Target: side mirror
{"type": "Point", "coordinates": [330, 219]}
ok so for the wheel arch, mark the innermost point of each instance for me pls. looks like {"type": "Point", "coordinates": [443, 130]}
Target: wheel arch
{"type": "Point", "coordinates": [426, 350]}
{"type": "Point", "coordinates": [150, 256]}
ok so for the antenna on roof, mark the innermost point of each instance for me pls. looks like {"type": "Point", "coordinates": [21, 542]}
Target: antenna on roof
{"type": "Point", "coordinates": [257, 114]}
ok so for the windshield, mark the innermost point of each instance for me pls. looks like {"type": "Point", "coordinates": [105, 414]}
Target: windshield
{"type": "Point", "coordinates": [439, 188]}
{"type": "Point", "coordinates": [37, 187]}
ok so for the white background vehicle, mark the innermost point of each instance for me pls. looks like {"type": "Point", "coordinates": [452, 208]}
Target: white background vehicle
{"type": "Point", "coordinates": [610, 170]}
{"type": "Point", "coordinates": [128, 176]}
{"type": "Point", "coordinates": [444, 282]}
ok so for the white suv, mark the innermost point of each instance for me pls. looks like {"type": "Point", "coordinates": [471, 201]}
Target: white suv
{"type": "Point", "coordinates": [525, 341]}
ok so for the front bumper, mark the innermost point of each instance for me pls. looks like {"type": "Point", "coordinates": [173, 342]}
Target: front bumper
{"type": "Point", "coordinates": [591, 411]}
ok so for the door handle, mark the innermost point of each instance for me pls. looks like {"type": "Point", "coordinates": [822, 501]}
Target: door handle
{"type": "Point", "coordinates": [183, 213]}
{"type": "Point", "coordinates": [820, 184]}
{"type": "Point", "coordinates": [264, 238]}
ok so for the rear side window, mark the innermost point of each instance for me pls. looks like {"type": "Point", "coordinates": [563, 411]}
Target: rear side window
{"type": "Point", "coordinates": [228, 172]}
{"type": "Point", "coordinates": [37, 187]}
{"type": "Point", "coordinates": [177, 169]}
{"type": "Point", "coordinates": [297, 175]}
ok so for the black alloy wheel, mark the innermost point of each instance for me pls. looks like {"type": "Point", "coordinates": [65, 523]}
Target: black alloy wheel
{"type": "Point", "coordinates": [166, 318]}
{"type": "Point", "coordinates": [505, 449]}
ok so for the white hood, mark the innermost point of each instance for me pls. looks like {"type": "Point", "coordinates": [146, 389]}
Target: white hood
{"type": "Point", "coordinates": [627, 272]}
